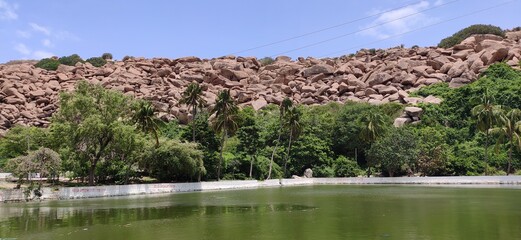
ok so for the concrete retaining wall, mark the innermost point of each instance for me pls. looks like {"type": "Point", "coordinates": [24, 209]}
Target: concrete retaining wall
{"type": "Point", "coordinates": [136, 189]}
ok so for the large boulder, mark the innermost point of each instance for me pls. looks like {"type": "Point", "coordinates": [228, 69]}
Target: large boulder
{"type": "Point", "coordinates": [317, 69]}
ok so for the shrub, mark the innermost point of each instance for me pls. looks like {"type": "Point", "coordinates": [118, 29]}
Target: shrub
{"type": "Point", "coordinates": [345, 167]}
{"type": "Point", "coordinates": [107, 56]}
{"type": "Point", "coordinates": [70, 60]}
{"type": "Point", "coordinates": [461, 35]}
{"type": "Point", "coordinates": [126, 58]}
{"type": "Point", "coordinates": [48, 64]}
{"type": "Point", "coordinates": [97, 61]}
{"type": "Point", "coordinates": [266, 61]}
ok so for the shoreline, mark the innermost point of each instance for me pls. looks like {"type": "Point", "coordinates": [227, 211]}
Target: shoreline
{"type": "Point", "coordinates": [66, 193]}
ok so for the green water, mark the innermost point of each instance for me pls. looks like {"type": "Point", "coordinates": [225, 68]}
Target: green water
{"type": "Point", "coordinates": [315, 212]}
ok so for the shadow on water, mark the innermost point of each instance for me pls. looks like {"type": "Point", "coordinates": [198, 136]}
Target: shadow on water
{"type": "Point", "coordinates": [45, 219]}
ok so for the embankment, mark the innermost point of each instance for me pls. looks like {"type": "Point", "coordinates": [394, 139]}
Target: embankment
{"type": "Point", "coordinates": [14, 195]}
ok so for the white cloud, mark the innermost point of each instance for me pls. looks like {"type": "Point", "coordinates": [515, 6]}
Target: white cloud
{"type": "Point", "coordinates": [8, 11]}
{"type": "Point", "coordinates": [47, 43]}
{"type": "Point", "coordinates": [39, 28]}
{"type": "Point", "coordinates": [21, 48]}
{"type": "Point", "coordinates": [399, 21]}
{"type": "Point", "coordinates": [41, 54]}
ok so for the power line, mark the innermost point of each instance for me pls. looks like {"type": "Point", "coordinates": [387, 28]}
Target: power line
{"type": "Point", "coordinates": [325, 29]}
{"type": "Point", "coordinates": [424, 27]}
{"type": "Point", "coordinates": [361, 30]}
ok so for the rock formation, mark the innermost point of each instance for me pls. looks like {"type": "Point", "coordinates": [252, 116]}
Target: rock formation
{"type": "Point", "coordinates": [29, 95]}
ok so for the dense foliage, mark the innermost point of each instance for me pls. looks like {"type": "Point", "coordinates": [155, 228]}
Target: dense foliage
{"type": "Point", "coordinates": [50, 64]}
{"type": "Point", "coordinates": [53, 63]}
{"type": "Point", "coordinates": [107, 137]}
{"type": "Point", "coordinates": [461, 35]}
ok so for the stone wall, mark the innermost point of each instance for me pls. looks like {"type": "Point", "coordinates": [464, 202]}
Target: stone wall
{"type": "Point", "coordinates": [162, 188]}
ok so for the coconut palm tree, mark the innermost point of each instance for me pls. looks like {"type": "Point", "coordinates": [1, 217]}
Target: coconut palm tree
{"type": "Point", "coordinates": [373, 128]}
{"type": "Point", "coordinates": [510, 128]}
{"type": "Point", "coordinates": [225, 111]}
{"type": "Point", "coordinates": [292, 123]}
{"type": "Point", "coordinates": [486, 114]}
{"type": "Point", "coordinates": [284, 106]}
{"type": "Point", "coordinates": [193, 97]}
{"type": "Point", "coordinates": [146, 120]}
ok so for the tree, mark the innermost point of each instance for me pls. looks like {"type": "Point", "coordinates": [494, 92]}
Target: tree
{"type": "Point", "coordinates": [225, 111]}
{"type": "Point", "coordinates": [44, 161]}
{"type": "Point", "coordinates": [486, 114]}
{"type": "Point", "coordinates": [373, 127]}
{"type": "Point", "coordinates": [146, 120]}
{"type": "Point", "coordinates": [292, 123]}
{"type": "Point", "coordinates": [284, 106]}
{"type": "Point", "coordinates": [395, 151]}
{"type": "Point", "coordinates": [510, 128]}
{"type": "Point", "coordinates": [193, 97]}
{"type": "Point", "coordinates": [248, 135]}
{"type": "Point", "coordinates": [88, 121]}
{"type": "Point", "coordinates": [174, 161]}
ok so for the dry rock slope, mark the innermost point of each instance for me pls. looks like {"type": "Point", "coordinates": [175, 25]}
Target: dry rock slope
{"type": "Point", "coordinates": [29, 95]}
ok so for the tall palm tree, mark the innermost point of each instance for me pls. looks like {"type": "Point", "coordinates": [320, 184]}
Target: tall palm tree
{"type": "Point", "coordinates": [486, 114]}
{"type": "Point", "coordinates": [292, 123]}
{"type": "Point", "coordinates": [193, 97]}
{"type": "Point", "coordinates": [510, 129]}
{"type": "Point", "coordinates": [284, 106]}
{"type": "Point", "coordinates": [372, 129]}
{"type": "Point", "coordinates": [225, 111]}
{"type": "Point", "coordinates": [146, 120]}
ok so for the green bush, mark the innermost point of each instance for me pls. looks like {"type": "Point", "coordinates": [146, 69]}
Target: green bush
{"type": "Point", "coordinates": [48, 64]}
{"type": "Point", "coordinates": [126, 58]}
{"type": "Point", "coordinates": [461, 35]}
{"type": "Point", "coordinates": [345, 167]}
{"type": "Point", "coordinates": [70, 60]}
{"type": "Point", "coordinates": [266, 61]}
{"type": "Point", "coordinates": [97, 61]}
{"type": "Point", "coordinates": [107, 56]}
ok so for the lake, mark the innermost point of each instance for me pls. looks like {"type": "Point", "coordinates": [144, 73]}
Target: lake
{"type": "Point", "coordinates": [310, 212]}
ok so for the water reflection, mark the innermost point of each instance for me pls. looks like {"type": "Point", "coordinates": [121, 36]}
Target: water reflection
{"type": "Point", "coordinates": [38, 219]}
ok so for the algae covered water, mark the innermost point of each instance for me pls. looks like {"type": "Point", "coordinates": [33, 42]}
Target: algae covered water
{"type": "Point", "coordinates": [311, 212]}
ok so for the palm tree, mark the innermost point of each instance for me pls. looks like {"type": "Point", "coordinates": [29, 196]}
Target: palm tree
{"type": "Point", "coordinates": [293, 124]}
{"type": "Point", "coordinates": [285, 105]}
{"type": "Point", "coordinates": [193, 97]}
{"type": "Point", "coordinates": [372, 129]}
{"type": "Point", "coordinates": [486, 114]}
{"type": "Point", "coordinates": [146, 120]}
{"type": "Point", "coordinates": [225, 111]}
{"type": "Point", "coordinates": [510, 128]}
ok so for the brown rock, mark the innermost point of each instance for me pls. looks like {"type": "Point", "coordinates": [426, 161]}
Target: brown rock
{"type": "Point", "coordinates": [317, 69]}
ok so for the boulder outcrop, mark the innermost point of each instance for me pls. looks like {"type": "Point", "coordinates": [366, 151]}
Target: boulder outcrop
{"type": "Point", "coordinates": [29, 95]}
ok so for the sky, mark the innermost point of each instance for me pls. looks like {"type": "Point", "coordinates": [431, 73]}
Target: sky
{"type": "Point", "coordinates": [31, 29]}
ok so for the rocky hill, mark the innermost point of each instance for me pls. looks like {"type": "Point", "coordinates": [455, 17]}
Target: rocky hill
{"type": "Point", "coordinates": [29, 95]}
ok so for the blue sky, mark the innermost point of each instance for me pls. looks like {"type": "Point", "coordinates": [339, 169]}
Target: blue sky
{"type": "Point", "coordinates": [209, 28]}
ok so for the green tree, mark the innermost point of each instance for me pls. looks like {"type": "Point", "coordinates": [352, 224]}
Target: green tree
{"type": "Point", "coordinates": [193, 97]}
{"type": "Point", "coordinates": [396, 151]}
{"type": "Point", "coordinates": [146, 120]}
{"type": "Point", "coordinates": [285, 105]}
{"type": "Point", "coordinates": [509, 128]}
{"type": "Point", "coordinates": [373, 127]}
{"type": "Point", "coordinates": [44, 161]}
{"type": "Point", "coordinates": [225, 111]}
{"type": "Point", "coordinates": [88, 121]}
{"type": "Point", "coordinates": [292, 123]}
{"type": "Point", "coordinates": [486, 114]}
{"type": "Point", "coordinates": [174, 161]}
{"type": "Point", "coordinates": [248, 135]}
